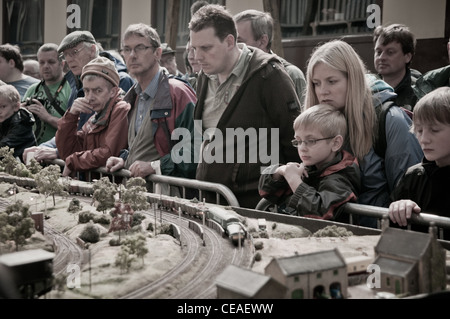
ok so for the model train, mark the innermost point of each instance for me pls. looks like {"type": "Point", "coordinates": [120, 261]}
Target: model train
{"type": "Point", "coordinates": [225, 217]}
{"type": "Point", "coordinates": [228, 220]}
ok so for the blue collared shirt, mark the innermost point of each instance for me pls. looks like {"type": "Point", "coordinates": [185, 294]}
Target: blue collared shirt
{"type": "Point", "coordinates": [145, 99]}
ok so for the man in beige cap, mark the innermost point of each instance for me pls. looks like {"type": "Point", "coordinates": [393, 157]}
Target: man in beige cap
{"type": "Point", "coordinates": [169, 61]}
{"type": "Point", "coordinates": [106, 132]}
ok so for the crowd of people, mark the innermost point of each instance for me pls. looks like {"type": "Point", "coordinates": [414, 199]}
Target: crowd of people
{"type": "Point", "coordinates": [338, 133]}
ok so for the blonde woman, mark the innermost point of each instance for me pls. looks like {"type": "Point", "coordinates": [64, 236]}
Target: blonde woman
{"type": "Point", "coordinates": [337, 76]}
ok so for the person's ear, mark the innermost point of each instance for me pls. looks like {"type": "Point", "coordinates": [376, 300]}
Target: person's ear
{"type": "Point", "coordinates": [158, 54]}
{"type": "Point", "coordinates": [338, 142]}
{"type": "Point", "coordinates": [408, 57]}
{"type": "Point", "coordinates": [231, 41]}
{"type": "Point", "coordinates": [264, 41]}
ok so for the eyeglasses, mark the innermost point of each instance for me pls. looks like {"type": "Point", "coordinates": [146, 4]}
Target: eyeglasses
{"type": "Point", "coordinates": [71, 54]}
{"type": "Point", "coordinates": [137, 50]}
{"type": "Point", "coordinates": [310, 142]}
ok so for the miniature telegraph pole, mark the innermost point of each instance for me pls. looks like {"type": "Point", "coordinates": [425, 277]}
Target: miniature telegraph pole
{"type": "Point", "coordinates": [204, 212]}
{"type": "Point", "coordinates": [154, 209]}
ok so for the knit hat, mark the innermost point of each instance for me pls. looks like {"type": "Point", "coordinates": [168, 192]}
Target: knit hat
{"type": "Point", "coordinates": [103, 67]}
{"type": "Point", "coordinates": [166, 49]}
{"type": "Point", "coordinates": [72, 39]}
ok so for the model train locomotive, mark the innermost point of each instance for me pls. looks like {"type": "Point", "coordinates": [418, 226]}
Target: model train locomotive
{"type": "Point", "coordinates": [224, 219]}
{"type": "Point", "coordinates": [221, 218]}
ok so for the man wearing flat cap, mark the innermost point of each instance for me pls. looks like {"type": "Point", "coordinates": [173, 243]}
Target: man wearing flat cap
{"type": "Point", "coordinates": [77, 49]}
{"type": "Point", "coordinates": [106, 131]}
{"type": "Point", "coordinates": [169, 61]}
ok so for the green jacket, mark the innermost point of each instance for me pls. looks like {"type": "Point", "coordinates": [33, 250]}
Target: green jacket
{"type": "Point", "coordinates": [431, 81]}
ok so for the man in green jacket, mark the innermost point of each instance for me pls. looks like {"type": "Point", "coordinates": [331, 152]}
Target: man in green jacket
{"type": "Point", "coordinates": [247, 105]}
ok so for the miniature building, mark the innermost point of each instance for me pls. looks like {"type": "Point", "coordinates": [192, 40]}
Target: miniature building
{"type": "Point", "coordinates": [238, 283]}
{"type": "Point", "coordinates": [38, 218]}
{"type": "Point", "coordinates": [410, 262]}
{"type": "Point", "coordinates": [316, 275]}
{"type": "Point", "coordinates": [31, 271]}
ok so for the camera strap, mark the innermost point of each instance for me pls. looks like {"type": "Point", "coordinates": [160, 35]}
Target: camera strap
{"type": "Point", "coordinates": [53, 99]}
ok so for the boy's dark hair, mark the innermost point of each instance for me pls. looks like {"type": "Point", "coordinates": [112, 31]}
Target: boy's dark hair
{"type": "Point", "coordinates": [396, 32]}
{"type": "Point", "coordinates": [12, 52]}
{"type": "Point", "coordinates": [434, 107]}
{"type": "Point", "coordinates": [214, 16]}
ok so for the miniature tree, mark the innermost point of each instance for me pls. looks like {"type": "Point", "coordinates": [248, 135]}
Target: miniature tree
{"type": "Point", "coordinates": [9, 162]}
{"type": "Point", "coordinates": [47, 183]}
{"type": "Point", "coordinates": [16, 224]}
{"type": "Point", "coordinates": [74, 206]}
{"type": "Point", "coordinates": [134, 194]}
{"type": "Point", "coordinates": [124, 259]}
{"type": "Point", "coordinates": [104, 192]}
{"type": "Point", "coordinates": [22, 171]}
{"type": "Point", "coordinates": [136, 246]}
{"type": "Point", "coordinates": [34, 167]}
{"type": "Point", "coordinates": [90, 233]}
{"type": "Point", "coordinates": [141, 247]}
{"type": "Point", "coordinates": [122, 217]}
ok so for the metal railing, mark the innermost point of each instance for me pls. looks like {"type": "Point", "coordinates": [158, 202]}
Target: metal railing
{"type": "Point", "coordinates": [352, 209]}
{"type": "Point", "coordinates": [381, 213]}
{"type": "Point", "coordinates": [182, 183]}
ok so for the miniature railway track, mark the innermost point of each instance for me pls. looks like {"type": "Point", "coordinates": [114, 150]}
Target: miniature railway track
{"type": "Point", "coordinates": [66, 251]}
{"type": "Point", "coordinates": [194, 276]}
{"type": "Point", "coordinates": [157, 287]}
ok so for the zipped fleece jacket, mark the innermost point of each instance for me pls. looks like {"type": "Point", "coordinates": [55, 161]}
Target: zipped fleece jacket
{"type": "Point", "coordinates": [173, 108]}
{"type": "Point", "coordinates": [322, 193]}
{"type": "Point", "coordinates": [265, 100]}
{"type": "Point", "coordinates": [90, 147]}
{"type": "Point", "coordinates": [17, 133]}
{"type": "Point", "coordinates": [427, 185]}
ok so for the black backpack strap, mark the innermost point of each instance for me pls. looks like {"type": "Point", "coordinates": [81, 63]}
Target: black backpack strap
{"type": "Point", "coordinates": [53, 99]}
{"type": "Point", "coordinates": [380, 144]}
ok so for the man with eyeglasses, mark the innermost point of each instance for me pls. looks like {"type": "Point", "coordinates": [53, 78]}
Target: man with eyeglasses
{"type": "Point", "coordinates": [160, 104]}
{"type": "Point", "coordinates": [77, 49]}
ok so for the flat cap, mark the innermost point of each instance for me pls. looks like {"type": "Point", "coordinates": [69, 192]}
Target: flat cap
{"type": "Point", "coordinates": [72, 39]}
{"type": "Point", "coordinates": [166, 49]}
{"type": "Point", "coordinates": [103, 67]}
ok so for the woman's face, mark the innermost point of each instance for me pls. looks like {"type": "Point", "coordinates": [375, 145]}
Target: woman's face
{"type": "Point", "coordinates": [330, 86]}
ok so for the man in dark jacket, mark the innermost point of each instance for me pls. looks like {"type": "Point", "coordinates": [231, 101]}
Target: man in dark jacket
{"type": "Point", "coordinates": [16, 123]}
{"type": "Point", "coordinates": [247, 105]}
{"type": "Point", "coordinates": [394, 51]}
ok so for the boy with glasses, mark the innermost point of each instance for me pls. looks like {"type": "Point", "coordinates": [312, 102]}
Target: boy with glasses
{"type": "Point", "coordinates": [327, 177]}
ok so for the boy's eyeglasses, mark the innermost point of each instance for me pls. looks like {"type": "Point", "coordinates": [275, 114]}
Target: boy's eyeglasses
{"type": "Point", "coordinates": [310, 142]}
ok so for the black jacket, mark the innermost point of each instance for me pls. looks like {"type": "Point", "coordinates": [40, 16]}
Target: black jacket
{"type": "Point", "coordinates": [17, 132]}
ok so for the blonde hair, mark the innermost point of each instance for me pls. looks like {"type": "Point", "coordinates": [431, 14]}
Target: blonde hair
{"type": "Point", "coordinates": [10, 93]}
{"type": "Point", "coordinates": [359, 110]}
{"type": "Point", "coordinates": [325, 118]}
